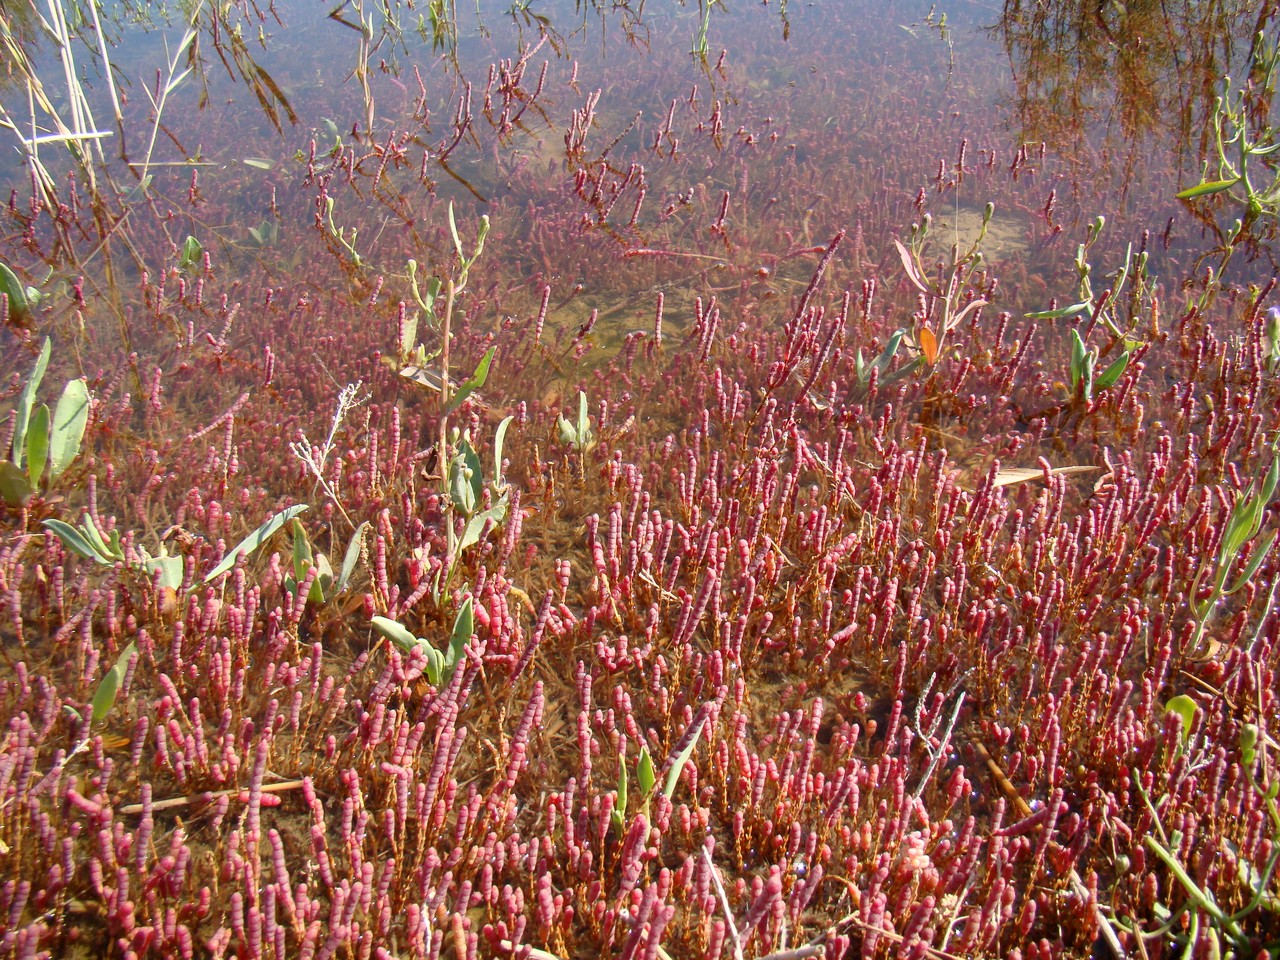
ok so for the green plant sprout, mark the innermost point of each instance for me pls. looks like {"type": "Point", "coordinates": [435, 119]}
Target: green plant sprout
{"type": "Point", "coordinates": [344, 236]}
{"type": "Point", "coordinates": [1245, 141]}
{"type": "Point", "coordinates": [44, 444]}
{"type": "Point", "coordinates": [325, 586]}
{"type": "Point", "coordinates": [579, 434]}
{"type": "Point", "coordinates": [86, 540]}
{"type": "Point", "coordinates": [1105, 306]}
{"type": "Point", "coordinates": [1200, 916]}
{"type": "Point", "coordinates": [880, 364]}
{"type": "Point", "coordinates": [701, 46]}
{"type": "Point", "coordinates": [1243, 525]}
{"type": "Point", "coordinates": [440, 666]}
{"type": "Point", "coordinates": [191, 255]}
{"type": "Point", "coordinates": [1084, 382]}
{"type": "Point", "coordinates": [646, 777]}
{"type": "Point", "coordinates": [957, 277]}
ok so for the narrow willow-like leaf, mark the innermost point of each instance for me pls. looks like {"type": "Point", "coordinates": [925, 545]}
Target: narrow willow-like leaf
{"type": "Point", "coordinates": [464, 625]}
{"type": "Point", "coordinates": [75, 541]}
{"type": "Point", "coordinates": [1062, 312]}
{"type": "Point", "coordinates": [886, 355]}
{"type": "Point", "coordinates": [69, 420]}
{"type": "Point", "coordinates": [453, 229]}
{"type": "Point", "coordinates": [350, 559]}
{"type": "Point", "coordinates": [254, 540]}
{"type": "Point", "coordinates": [585, 436]}
{"type": "Point", "coordinates": [105, 550]}
{"type": "Point", "coordinates": [473, 383]}
{"type": "Point", "coordinates": [691, 737]}
{"type": "Point", "coordinates": [644, 772]}
{"type": "Point", "coordinates": [909, 266]}
{"type": "Point", "coordinates": [26, 401]}
{"type": "Point", "coordinates": [396, 633]}
{"type": "Point", "coordinates": [301, 550]}
{"type": "Point", "coordinates": [104, 698]}
{"type": "Point", "coordinates": [1114, 372]}
{"type": "Point", "coordinates": [1204, 189]}
{"type": "Point", "coordinates": [499, 439]}
{"type": "Point", "coordinates": [1259, 554]}
{"type": "Point", "coordinates": [38, 444]}
{"type": "Point", "coordinates": [619, 815]}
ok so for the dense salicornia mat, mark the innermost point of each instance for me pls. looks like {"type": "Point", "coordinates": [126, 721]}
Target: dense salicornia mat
{"type": "Point", "coordinates": [669, 479]}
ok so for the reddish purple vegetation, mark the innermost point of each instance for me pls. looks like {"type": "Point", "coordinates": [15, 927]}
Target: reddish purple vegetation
{"type": "Point", "coordinates": [923, 694]}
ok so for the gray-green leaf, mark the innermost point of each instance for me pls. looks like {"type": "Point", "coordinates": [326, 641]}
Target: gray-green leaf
{"type": "Point", "coordinates": [38, 444]}
{"type": "Point", "coordinates": [26, 401]}
{"type": "Point", "coordinates": [69, 421]}
{"type": "Point", "coordinates": [254, 540]}
{"type": "Point", "coordinates": [104, 698]}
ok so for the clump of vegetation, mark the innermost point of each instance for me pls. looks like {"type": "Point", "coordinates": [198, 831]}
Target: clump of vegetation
{"type": "Point", "coordinates": [700, 540]}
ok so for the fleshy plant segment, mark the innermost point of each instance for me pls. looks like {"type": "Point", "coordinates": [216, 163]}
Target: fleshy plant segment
{"type": "Point", "coordinates": [638, 481]}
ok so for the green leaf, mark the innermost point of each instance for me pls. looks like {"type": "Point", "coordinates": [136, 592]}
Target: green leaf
{"type": "Point", "coordinates": [890, 348]}
{"type": "Point", "coordinates": [69, 421]}
{"type": "Point", "coordinates": [350, 559]}
{"type": "Point", "coordinates": [1249, 735]}
{"type": "Point", "coordinates": [499, 438]}
{"type": "Point", "coordinates": [38, 444]}
{"type": "Point", "coordinates": [1185, 708]}
{"type": "Point", "coordinates": [301, 550]}
{"type": "Point", "coordinates": [1204, 189]}
{"type": "Point", "coordinates": [394, 632]}
{"type": "Point", "coordinates": [566, 432]}
{"type": "Point", "coordinates": [171, 570]}
{"type": "Point", "coordinates": [464, 625]}
{"type": "Point", "coordinates": [254, 540]}
{"type": "Point", "coordinates": [1114, 372]}
{"type": "Point", "coordinates": [1062, 312]}
{"type": "Point", "coordinates": [584, 421]}
{"type": "Point", "coordinates": [619, 815]}
{"type": "Point", "coordinates": [473, 383]}
{"type": "Point", "coordinates": [453, 229]}
{"type": "Point", "coordinates": [258, 163]}
{"type": "Point", "coordinates": [11, 286]}
{"type": "Point", "coordinates": [109, 552]}
{"type": "Point", "coordinates": [323, 581]}
{"type": "Point", "coordinates": [466, 485]}
{"type": "Point", "coordinates": [475, 525]}
{"type": "Point", "coordinates": [191, 255]}
{"type": "Point", "coordinates": [104, 698]}
{"type": "Point", "coordinates": [75, 541]}
{"type": "Point", "coordinates": [677, 765]}
{"type": "Point", "coordinates": [1259, 554]}
{"type": "Point", "coordinates": [644, 772]}
{"type": "Point", "coordinates": [15, 488]}
{"type": "Point", "coordinates": [26, 401]}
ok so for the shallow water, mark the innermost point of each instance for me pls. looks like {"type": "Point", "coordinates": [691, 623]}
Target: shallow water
{"type": "Point", "coordinates": [696, 174]}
